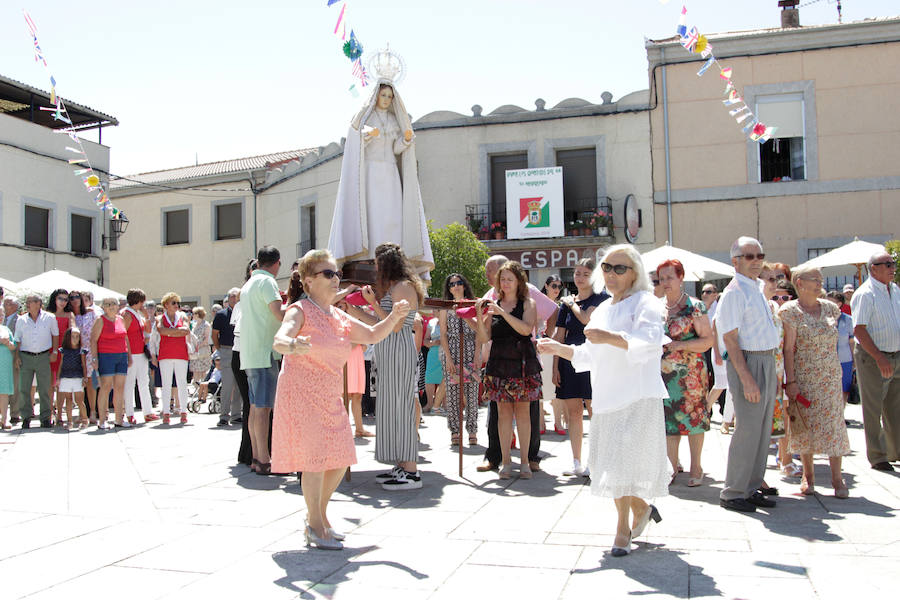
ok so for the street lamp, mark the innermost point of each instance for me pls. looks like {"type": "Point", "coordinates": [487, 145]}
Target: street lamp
{"type": "Point", "coordinates": [116, 228]}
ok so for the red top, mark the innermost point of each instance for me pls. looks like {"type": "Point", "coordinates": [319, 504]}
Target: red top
{"type": "Point", "coordinates": [135, 335]}
{"type": "Point", "coordinates": [112, 336]}
{"type": "Point", "coordinates": [845, 308]}
{"type": "Point", "coordinates": [63, 323]}
{"type": "Point", "coordinates": [172, 347]}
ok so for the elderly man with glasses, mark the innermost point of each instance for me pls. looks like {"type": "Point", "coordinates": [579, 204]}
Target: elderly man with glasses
{"type": "Point", "coordinates": [876, 327]}
{"type": "Point", "coordinates": [744, 320]}
{"type": "Point", "coordinates": [37, 335]}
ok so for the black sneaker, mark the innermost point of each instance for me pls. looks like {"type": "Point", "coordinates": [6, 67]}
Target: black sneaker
{"type": "Point", "coordinates": [392, 474]}
{"type": "Point", "coordinates": [404, 481]}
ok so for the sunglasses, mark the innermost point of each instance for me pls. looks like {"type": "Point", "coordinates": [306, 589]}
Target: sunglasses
{"type": "Point", "coordinates": [555, 286]}
{"type": "Point", "coordinates": [74, 297]}
{"type": "Point", "coordinates": [780, 276]}
{"type": "Point", "coordinates": [705, 292]}
{"type": "Point", "coordinates": [455, 283]}
{"type": "Point", "coordinates": [329, 274]}
{"type": "Point", "coordinates": [777, 298]}
{"type": "Point", "coordinates": [618, 269]}
{"type": "Point", "coordinates": [62, 298]}
{"type": "Point", "coordinates": [887, 263]}
{"type": "Point", "coordinates": [655, 282]}
{"type": "Point", "coordinates": [757, 256]}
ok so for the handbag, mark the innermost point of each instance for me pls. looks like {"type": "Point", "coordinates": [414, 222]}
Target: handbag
{"type": "Point", "coordinates": [193, 345]}
{"type": "Point", "coordinates": [853, 394]}
{"type": "Point", "coordinates": [795, 416]}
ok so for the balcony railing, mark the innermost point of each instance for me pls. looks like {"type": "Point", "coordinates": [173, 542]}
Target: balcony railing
{"type": "Point", "coordinates": [577, 215]}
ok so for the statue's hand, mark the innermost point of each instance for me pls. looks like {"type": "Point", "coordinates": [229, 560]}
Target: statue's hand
{"type": "Point", "coordinates": [407, 135]}
{"type": "Point", "coordinates": [373, 132]}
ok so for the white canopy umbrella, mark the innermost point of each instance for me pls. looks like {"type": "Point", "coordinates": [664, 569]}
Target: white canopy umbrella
{"type": "Point", "coordinates": [46, 282]}
{"type": "Point", "coordinates": [696, 266]}
{"type": "Point", "coordinates": [837, 262]}
{"type": "Point", "coordinates": [9, 287]}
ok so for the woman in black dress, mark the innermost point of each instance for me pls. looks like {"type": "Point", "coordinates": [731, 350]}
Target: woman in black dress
{"type": "Point", "coordinates": [574, 389]}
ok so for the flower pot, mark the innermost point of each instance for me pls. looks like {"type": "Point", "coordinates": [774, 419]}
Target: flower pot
{"type": "Point", "coordinates": [499, 235]}
{"type": "Point", "coordinates": [603, 231]}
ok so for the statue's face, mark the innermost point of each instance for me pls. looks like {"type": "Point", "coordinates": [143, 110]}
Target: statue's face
{"type": "Point", "coordinates": [385, 97]}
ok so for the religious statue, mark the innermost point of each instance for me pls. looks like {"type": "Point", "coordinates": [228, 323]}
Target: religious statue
{"type": "Point", "coordinates": [378, 196]}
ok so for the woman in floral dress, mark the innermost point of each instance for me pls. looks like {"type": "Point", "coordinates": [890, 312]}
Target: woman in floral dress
{"type": "Point", "coordinates": [683, 368]}
{"type": "Point", "coordinates": [812, 370]}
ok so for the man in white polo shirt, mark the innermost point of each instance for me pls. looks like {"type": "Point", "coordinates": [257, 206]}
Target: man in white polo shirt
{"type": "Point", "coordinates": [744, 320]}
{"type": "Point", "coordinates": [37, 334]}
{"type": "Point", "coordinates": [876, 328]}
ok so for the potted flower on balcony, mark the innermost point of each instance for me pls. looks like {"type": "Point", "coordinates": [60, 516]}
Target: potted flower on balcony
{"type": "Point", "coordinates": [600, 222]}
{"type": "Point", "coordinates": [484, 233]}
{"type": "Point", "coordinates": [580, 228]}
{"type": "Point", "coordinates": [474, 223]}
{"type": "Point", "coordinates": [570, 229]}
{"type": "Point", "coordinates": [498, 229]}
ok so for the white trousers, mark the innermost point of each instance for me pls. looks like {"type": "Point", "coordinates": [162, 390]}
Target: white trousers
{"type": "Point", "coordinates": [139, 372]}
{"type": "Point", "coordinates": [166, 367]}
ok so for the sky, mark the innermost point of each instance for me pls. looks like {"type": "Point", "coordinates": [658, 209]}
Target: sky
{"type": "Point", "coordinates": [199, 80]}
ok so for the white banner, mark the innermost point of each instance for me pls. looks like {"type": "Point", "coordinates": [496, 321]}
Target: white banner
{"type": "Point", "coordinates": [534, 203]}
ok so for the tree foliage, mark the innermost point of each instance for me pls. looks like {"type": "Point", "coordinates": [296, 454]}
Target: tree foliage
{"type": "Point", "coordinates": [457, 250]}
{"type": "Point", "coordinates": [893, 248]}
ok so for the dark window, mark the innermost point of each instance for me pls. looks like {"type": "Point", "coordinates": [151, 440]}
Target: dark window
{"type": "Point", "coordinates": [307, 228]}
{"type": "Point", "coordinates": [82, 234]}
{"type": "Point", "coordinates": [37, 227]}
{"type": "Point", "coordinates": [499, 166]}
{"type": "Point", "coordinates": [579, 181]}
{"type": "Point", "coordinates": [781, 159]}
{"type": "Point", "coordinates": [229, 219]}
{"type": "Point", "coordinates": [177, 230]}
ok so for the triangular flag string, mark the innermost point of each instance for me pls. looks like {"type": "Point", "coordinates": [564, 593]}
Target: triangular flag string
{"type": "Point", "coordinates": [89, 178]}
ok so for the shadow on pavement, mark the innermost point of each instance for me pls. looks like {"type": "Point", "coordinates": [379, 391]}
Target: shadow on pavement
{"type": "Point", "coordinates": [663, 570]}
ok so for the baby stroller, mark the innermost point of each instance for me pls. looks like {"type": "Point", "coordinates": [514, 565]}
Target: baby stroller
{"type": "Point", "coordinates": [213, 396]}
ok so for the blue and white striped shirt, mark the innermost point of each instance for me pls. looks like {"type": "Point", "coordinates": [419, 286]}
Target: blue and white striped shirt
{"type": "Point", "coordinates": [879, 311]}
{"type": "Point", "coordinates": [742, 306]}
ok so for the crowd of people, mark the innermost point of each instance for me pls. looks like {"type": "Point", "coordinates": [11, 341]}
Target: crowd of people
{"type": "Point", "coordinates": [633, 350]}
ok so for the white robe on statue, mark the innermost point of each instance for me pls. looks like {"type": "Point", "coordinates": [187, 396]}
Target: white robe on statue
{"type": "Point", "coordinates": [378, 196]}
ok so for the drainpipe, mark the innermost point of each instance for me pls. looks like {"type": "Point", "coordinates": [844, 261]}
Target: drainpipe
{"type": "Point", "coordinates": [665, 96]}
{"type": "Point", "coordinates": [254, 190]}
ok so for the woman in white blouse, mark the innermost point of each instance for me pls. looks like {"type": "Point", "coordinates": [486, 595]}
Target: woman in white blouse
{"type": "Point", "coordinates": [623, 351]}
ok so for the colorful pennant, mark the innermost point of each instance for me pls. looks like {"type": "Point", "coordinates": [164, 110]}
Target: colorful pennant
{"type": "Point", "coordinates": [90, 179]}
{"type": "Point", "coordinates": [351, 46]}
{"type": "Point", "coordinates": [696, 43]}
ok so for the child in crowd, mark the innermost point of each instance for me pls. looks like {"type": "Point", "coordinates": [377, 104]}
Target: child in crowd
{"type": "Point", "coordinates": [72, 378]}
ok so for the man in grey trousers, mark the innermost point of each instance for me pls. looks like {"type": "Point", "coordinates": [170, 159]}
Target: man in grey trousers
{"type": "Point", "coordinates": [223, 339]}
{"type": "Point", "coordinates": [744, 320]}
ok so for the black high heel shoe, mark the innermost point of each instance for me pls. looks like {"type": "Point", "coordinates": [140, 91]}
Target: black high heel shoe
{"type": "Point", "coordinates": [641, 524]}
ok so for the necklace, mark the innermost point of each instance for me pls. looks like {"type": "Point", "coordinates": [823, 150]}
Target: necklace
{"type": "Point", "coordinates": [677, 302]}
{"type": "Point", "coordinates": [810, 310]}
{"type": "Point", "coordinates": [327, 312]}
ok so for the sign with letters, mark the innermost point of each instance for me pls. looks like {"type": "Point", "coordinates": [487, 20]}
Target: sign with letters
{"type": "Point", "coordinates": [554, 258]}
{"type": "Point", "coordinates": [534, 203]}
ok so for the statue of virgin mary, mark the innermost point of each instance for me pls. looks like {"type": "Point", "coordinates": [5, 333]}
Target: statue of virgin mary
{"type": "Point", "coordinates": [378, 196]}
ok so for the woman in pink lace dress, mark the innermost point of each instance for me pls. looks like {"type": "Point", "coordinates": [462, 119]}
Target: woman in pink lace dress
{"type": "Point", "coordinates": [311, 431]}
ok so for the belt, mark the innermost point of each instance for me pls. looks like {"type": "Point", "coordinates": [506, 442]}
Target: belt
{"type": "Point", "coordinates": [35, 353]}
{"type": "Point", "coordinates": [760, 352]}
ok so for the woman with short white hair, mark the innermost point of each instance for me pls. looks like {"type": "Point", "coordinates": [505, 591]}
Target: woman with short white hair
{"type": "Point", "coordinates": [623, 351]}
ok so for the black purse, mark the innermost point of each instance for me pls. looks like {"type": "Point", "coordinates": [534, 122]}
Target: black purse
{"type": "Point", "coordinates": [853, 395]}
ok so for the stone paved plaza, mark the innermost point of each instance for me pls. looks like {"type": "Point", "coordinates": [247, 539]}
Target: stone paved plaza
{"type": "Point", "coordinates": [164, 512]}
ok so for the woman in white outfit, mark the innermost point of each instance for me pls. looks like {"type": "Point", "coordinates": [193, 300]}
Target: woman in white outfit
{"type": "Point", "coordinates": [137, 326]}
{"type": "Point", "coordinates": [623, 352]}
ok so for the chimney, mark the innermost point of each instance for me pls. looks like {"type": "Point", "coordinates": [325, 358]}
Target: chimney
{"type": "Point", "coordinates": [790, 14]}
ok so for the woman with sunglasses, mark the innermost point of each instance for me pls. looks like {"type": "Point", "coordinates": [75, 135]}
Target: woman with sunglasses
{"type": "Point", "coordinates": [310, 430]}
{"type": "Point", "coordinates": [396, 440]}
{"type": "Point", "coordinates": [553, 288]}
{"type": "Point", "coordinates": [813, 370]}
{"type": "Point", "coordinates": [112, 357]}
{"type": "Point", "coordinates": [59, 306]}
{"type": "Point", "coordinates": [684, 370]}
{"type": "Point", "coordinates": [172, 327]}
{"type": "Point", "coordinates": [452, 326]}
{"type": "Point", "coordinates": [513, 372]}
{"type": "Point", "coordinates": [574, 389]}
{"type": "Point", "coordinates": [624, 345]}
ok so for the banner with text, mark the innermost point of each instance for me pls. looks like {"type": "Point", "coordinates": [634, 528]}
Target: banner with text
{"type": "Point", "coordinates": [534, 203]}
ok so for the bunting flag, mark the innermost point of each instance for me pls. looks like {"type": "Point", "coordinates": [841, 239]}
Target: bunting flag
{"type": "Point", "coordinates": [89, 178]}
{"type": "Point", "coordinates": [696, 43]}
{"type": "Point", "coordinates": [351, 46]}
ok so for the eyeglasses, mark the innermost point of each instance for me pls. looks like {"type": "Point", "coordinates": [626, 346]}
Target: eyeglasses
{"type": "Point", "coordinates": [618, 269]}
{"type": "Point", "coordinates": [655, 282]}
{"type": "Point", "coordinates": [780, 276]}
{"type": "Point", "coordinates": [74, 297]}
{"type": "Point", "coordinates": [62, 298]}
{"type": "Point", "coordinates": [757, 256]}
{"type": "Point", "coordinates": [555, 286]}
{"type": "Point", "coordinates": [455, 283]}
{"type": "Point", "coordinates": [705, 292]}
{"type": "Point", "coordinates": [329, 274]}
{"type": "Point", "coordinates": [777, 298]}
{"type": "Point", "coordinates": [886, 263]}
